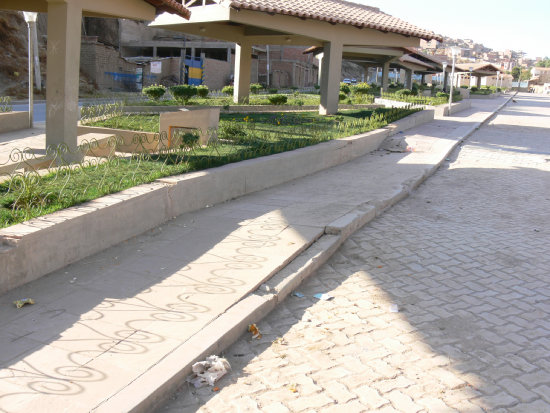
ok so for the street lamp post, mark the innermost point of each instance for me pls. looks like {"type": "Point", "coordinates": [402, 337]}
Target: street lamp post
{"type": "Point", "coordinates": [30, 18]}
{"type": "Point", "coordinates": [454, 52]}
{"type": "Point", "coordinates": [444, 74]}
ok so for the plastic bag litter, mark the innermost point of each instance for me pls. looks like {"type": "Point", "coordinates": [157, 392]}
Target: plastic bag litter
{"type": "Point", "coordinates": [298, 294]}
{"type": "Point", "coordinates": [324, 297]}
{"type": "Point", "coordinates": [394, 308]}
{"type": "Point", "coordinates": [208, 371]}
{"type": "Point", "coordinates": [22, 302]}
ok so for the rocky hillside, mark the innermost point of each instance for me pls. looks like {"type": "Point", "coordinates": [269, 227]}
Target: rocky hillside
{"type": "Point", "coordinates": [13, 53]}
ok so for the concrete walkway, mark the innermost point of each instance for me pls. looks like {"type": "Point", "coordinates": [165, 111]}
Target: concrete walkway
{"type": "Point", "coordinates": [465, 260]}
{"type": "Point", "coordinates": [118, 330]}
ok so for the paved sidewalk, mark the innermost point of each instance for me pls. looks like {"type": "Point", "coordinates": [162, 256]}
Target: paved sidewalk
{"type": "Point", "coordinates": [116, 330]}
{"type": "Point", "coordinates": [465, 259]}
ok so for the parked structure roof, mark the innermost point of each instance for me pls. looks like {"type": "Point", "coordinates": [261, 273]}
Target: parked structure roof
{"type": "Point", "coordinates": [170, 6]}
{"type": "Point", "coordinates": [336, 12]}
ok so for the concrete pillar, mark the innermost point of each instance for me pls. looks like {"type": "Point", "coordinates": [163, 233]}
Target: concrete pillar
{"type": "Point", "coordinates": [445, 81]}
{"type": "Point", "coordinates": [154, 51]}
{"type": "Point", "coordinates": [63, 69]}
{"type": "Point", "coordinates": [423, 79]}
{"type": "Point", "coordinates": [330, 81]}
{"type": "Point", "coordinates": [320, 71]}
{"type": "Point", "coordinates": [243, 61]}
{"type": "Point", "coordinates": [385, 76]}
{"type": "Point", "coordinates": [478, 82]}
{"type": "Point", "coordinates": [229, 55]}
{"type": "Point", "coordinates": [408, 79]}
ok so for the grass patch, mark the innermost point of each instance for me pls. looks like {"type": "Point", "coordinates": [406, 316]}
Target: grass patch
{"type": "Point", "coordinates": [26, 195]}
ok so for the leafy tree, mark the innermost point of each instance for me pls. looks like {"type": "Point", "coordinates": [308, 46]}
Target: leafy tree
{"type": "Point", "coordinates": [516, 72]}
{"type": "Point", "coordinates": [544, 62]}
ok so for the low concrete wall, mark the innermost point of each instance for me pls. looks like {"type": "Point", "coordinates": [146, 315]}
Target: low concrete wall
{"type": "Point", "coordinates": [443, 110]}
{"type": "Point", "coordinates": [34, 248]}
{"type": "Point", "coordinates": [465, 93]}
{"type": "Point", "coordinates": [388, 103]}
{"type": "Point", "coordinates": [10, 121]}
{"type": "Point", "coordinates": [491, 96]}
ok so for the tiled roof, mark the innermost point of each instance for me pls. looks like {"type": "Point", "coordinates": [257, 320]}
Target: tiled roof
{"type": "Point", "coordinates": [336, 11]}
{"type": "Point", "coordinates": [171, 6]}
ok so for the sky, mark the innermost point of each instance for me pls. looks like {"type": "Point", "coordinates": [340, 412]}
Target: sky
{"type": "Point", "coordinates": [498, 24]}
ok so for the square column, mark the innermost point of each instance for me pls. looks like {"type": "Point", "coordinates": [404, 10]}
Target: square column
{"type": "Point", "coordinates": [331, 68]}
{"type": "Point", "coordinates": [385, 76]}
{"type": "Point", "coordinates": [243, 61]}
{"type": "Point", "coordinates": [63, 69]}
{"type": "Point", "coordinates": [408, 79]}
{"type": "Point", "coordinates": [478, 82]}
{"type": "Point", "coordinates": [445, 81]}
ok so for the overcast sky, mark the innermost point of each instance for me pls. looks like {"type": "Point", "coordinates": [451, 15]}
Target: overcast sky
{"type": "Point", "coordinates": [498, 24]}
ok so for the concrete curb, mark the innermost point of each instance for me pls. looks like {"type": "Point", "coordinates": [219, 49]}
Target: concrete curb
{"type": "Point", "coordinates": [229, 326]}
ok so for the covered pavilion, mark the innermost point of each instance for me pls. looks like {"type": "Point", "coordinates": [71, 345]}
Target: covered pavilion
{"type": "Point", "coordinates": [340, 28]}
{"type": "Point", "coordinates": [63, 52]}
{"type": "Point", "coordinates": [478, 70]}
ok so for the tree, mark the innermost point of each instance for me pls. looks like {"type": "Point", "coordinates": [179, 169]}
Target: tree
{"type": "Point", "coordinates": [516, 72]}
{"type": "Point", "coordinates": [544, 62]}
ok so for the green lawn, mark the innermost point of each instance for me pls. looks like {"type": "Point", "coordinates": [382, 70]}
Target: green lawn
{"type": "Point", "coordinates": [26, 194]}
{"type": "Point", "coordinates": [294, 99]}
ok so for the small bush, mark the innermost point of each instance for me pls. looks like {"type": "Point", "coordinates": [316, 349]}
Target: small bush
{"type": "Point", "coordinates": [154, 92]}
{"type": "Point", "coordinates": [278, 99]}
{"type": "Point", "coordinates": [317, 87]}
{"type": "Point", "coordinates": [272, 91]}
{"type": "Point", "coordinates": [5, 104]}
{"type": "Point", "coordinates": [202, 91]}
{"type": "Point", "coordinates": [442, 95]}
{"type": "Point", "coordinates": [183, 93]}
{"type": "Point", "coordinates": [361, 88]}
{"type": "Point", "coordinates": [255, 88]}
{"type": "Point", "coordinates": [404, 92]}
{"type": "Point", "coordinates": [464, 87]}
{"type": "Point", "coordinates": [189, 140]}
{"type": "Point", "coordinates": [228, 90]}
{"type": "Point", "coordinates": [342, 96]}
{"type": "Point", "coordinates": [344, 88]}
{"type": "Point", "coordinates": [474, 89]}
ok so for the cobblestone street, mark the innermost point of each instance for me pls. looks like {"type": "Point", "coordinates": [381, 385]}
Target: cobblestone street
{"type": "Point", "coordinates": [466, 262]}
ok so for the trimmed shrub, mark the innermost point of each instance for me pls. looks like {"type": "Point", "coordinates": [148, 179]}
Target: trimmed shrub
{"type": "Point", "coordinates": [404, 92]}
{"type": "Point", "coordinates": [342, 96]}
{"type": "Point", "coordinates": [228, 90]}
{"type": "Point", "coordinates": [278, 99]}
{"type": "Point", "coordinates": [344, 88]}
{"type": "Point", "coordinates": [442, 95]}
{"type": "Point", "coordinates": [255, 88]}
{"type": "Point", "coordinates": [361, 88]}
{"type": "Point", "coordinates": [154, 92]}
{"type": "Point", "coordinates": [272, 91]}
{"type": "Point", "coordinates": [316, 87]}
{"type": "Point", "coordinates": [474, 89]}
{"type": "Point", "coordinates": [202, 91]}
{"type": "Point", "coordinates": [183, 93]}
